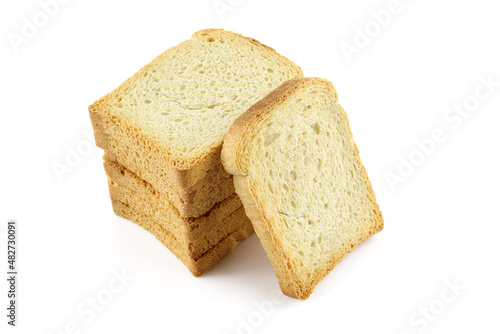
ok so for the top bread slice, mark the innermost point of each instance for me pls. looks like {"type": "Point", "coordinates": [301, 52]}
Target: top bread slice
{"type": "Point", "coordinates": [167, 122]}
{"type": "Point", "coordinates": [299, 175]}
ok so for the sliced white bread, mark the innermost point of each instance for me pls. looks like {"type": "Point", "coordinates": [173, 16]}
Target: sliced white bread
{"type": "Point", "coordinates": [167, 122]}
{"type": "Point", "coordinates": [299, 175]}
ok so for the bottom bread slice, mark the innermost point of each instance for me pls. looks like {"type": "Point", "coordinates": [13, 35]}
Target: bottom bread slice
{"type": "Point", "coordinates": [126, 184]}
{"type": "Point", "coordinates": [169, 220]}
{"type": "Point", "coordinates": [197, 266]}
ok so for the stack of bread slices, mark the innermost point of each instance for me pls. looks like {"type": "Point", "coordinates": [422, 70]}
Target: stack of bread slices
{"type": "Point", "coordinates": [221, 135]}
{"type": "Point", "coordinates": [162, 132]}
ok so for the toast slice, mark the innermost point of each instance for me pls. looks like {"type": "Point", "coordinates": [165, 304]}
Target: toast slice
{"type": "Point", "coordinates": [194, 201]}
{"type": "Point", "coordinates": [299, 175]}
{"type": "Point", "coordinates": [198, 242]}
{"type": "Point", "coordinates": [193, 248]}
{"type": "Point", "coordinates": [141, 196]}
{"type": "Point", "coordinates": [207, 260]}
{"type": "Point", "coordinates": [167, 122]}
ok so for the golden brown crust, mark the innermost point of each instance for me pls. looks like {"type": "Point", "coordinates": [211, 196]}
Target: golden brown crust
{"type": "Point", "coordinates": [175, 172]}
{"type": "Point", "coordinates": [193, 247]}
{"type": "Point", "coordinates": [194, 201]}
{"type": "Point", "coordinates": [191, 228]}
{"type": "Point", "coordinates": [207, 260]}
{"type": "Point", "coordinates": [235, 163]}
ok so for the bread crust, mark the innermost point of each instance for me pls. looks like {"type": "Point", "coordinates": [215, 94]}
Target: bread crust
{"type": "Point", "coordinates": [215, 230]}
{"type": "Point", "coordinates": [191, 202]}
{"type": "Point", "coordinates": [143, 197]}
{"type": "Point", "coordinates": [236, 163]}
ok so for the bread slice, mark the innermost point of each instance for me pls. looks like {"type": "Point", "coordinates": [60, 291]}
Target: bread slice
{"type": "Point", "coordinates": [167, 122]}
{"type": "Point", "coordinates": [193, 201]}
{"type": "Point", "coordinates": [194, 248]}
{"type": "Point", "coordinates": [199, 242]}
{"type": "Point", "coordinates": [299, 175]}
{"type": "Point", "coordinates": [207, 260]}
{"type": "Point", "coordinates": [126, 187]}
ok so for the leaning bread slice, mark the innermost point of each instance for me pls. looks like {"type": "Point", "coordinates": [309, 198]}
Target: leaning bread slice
{"type": "Point", "coordinates": [298, 173]}
{"type": "Point", "coordinates": [167, 122]}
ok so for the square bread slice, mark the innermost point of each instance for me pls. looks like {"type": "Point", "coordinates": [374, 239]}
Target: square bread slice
{"type": "Point", "coordinates": [142, 196]}
{"type": "Point", "coordinates": [194, 249]}
{"type": "Point", "coordinates": [194, 201]}
{"type": "Point", "coordinates": [167, 122]}
{"type": "Point", "coordinates": [207, 260]}
{"type": "Point", "coordinates": [299, 175]}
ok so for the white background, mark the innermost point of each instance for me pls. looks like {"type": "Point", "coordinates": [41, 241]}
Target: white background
{"type": "Point", "coordinates": [441, 223]}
